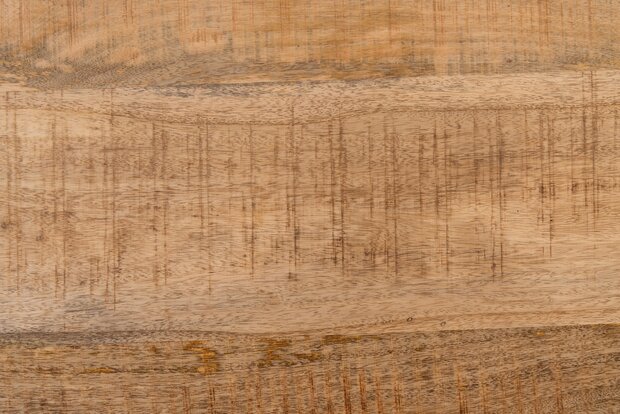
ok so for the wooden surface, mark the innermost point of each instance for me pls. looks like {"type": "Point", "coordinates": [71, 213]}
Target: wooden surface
{"type": "Point", "coordinates": [265, 206]}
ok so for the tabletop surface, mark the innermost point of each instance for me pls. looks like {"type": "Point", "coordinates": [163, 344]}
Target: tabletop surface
{"type": "Point", "coordinates": [277, 206]}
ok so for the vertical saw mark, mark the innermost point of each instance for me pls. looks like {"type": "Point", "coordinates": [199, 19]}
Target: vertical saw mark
{"type": "Point", "coordinates": [332, 169]}
{"type": "Point", "coordinates": [395, 189]}
{"type": "Point", "coordinates": [371, 198]}
{"type": "Point", "coordinates": [501, 189]}
{"type": "Point", "coordinates": [594, 120]}
{"type": "Point", "coordinates": [253, 204]}
{"type": "Point", "coordinates": [446, 184]}
{"type": "Point", "coordinates": [343, 177]}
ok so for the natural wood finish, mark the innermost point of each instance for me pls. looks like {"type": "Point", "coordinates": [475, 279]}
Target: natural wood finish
{"type": "Point", "coordinates": [551, 370]}
{"type": "Point", "coordinates": [117, 203]}
{"type": "Point", "coordinates": [170, 42]}
{"type": "Point", "coordinates": [416, 212]}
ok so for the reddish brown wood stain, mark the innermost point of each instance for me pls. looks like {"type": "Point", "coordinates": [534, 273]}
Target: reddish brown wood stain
{"type": "Point", "coordinates": [188, 224]}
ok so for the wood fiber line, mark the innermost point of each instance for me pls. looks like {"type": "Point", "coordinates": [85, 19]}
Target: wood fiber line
{"type": "Point", "coordinates": [142, 42]}
{"type": "Point", "coordinates": [271, 104]}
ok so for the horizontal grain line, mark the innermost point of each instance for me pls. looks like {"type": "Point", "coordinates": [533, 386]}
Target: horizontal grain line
{"type": "Point", "coordinates": [349, 115]}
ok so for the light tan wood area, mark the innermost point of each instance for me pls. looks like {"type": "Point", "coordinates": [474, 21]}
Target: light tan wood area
{"type": "Point", "coordinates": [309, 206]}
{"type": "Point", "coordinates": [166, 42]}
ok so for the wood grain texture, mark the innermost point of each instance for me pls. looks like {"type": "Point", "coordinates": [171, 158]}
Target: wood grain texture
{"type": "Point", "coordinates": [309, 207]}
{"type": "Point", "coordinates": [551, 370]}
{"type": "Point", "coordinates": [156, 42]}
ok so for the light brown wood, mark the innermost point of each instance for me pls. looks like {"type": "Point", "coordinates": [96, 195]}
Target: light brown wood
{"type": "Point", "coordinates": [168, 42]}
{"type": "Point", "coordinates": [311, 207]}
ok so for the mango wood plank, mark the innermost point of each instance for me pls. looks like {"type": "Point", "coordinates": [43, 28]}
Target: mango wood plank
{"type": "Point", "coordinates": [544, 370]}
{"type": "Point", "coordinates": [123, 213]}
{"type": "Point", "coordinates": [275, 206]}
{"type": "Point", "coordinates": [180, 42]}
